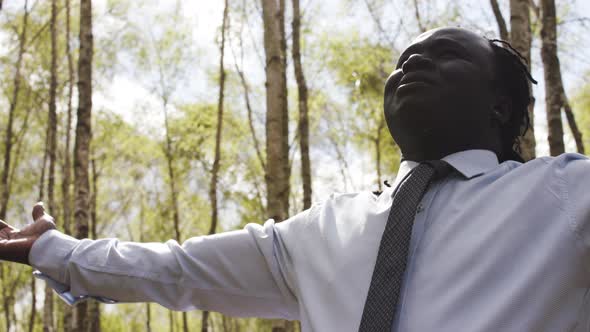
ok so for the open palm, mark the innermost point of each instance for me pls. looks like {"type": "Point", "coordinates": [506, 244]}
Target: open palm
{"type": "Point", "coordinates": [15, 244]}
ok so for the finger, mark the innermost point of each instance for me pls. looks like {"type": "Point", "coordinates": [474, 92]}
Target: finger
{"type": "Point", "coordinates": [3, 224]}
{"type": "Point", "coordinates": [38, 211]}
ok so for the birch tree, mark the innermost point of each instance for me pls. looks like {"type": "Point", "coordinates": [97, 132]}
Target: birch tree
{"type": "Point", "coordinates": [217, 153]}
{"type": "Point", "coordinates": [303, 109]}
{"type": "Point", "coordinates": [83, 137]}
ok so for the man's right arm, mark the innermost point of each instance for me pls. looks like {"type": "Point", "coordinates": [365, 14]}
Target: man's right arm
{"type": "Point", "coordinates": [241, 273]}
{"type": "Point", "coordinates": [237, 273]}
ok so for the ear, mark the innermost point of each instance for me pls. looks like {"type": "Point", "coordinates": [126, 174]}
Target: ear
{"type": "Point", "coordinates": [502, 109]}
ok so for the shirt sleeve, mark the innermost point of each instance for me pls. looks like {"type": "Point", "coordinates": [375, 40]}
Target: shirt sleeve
{"type": "Point", "coordinates": [574, 174]}
{"type": "Point", "coordinates": [240, 273]}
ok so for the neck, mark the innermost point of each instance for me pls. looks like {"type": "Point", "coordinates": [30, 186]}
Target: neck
{"type": "Point", "coordinates": [432, 152]}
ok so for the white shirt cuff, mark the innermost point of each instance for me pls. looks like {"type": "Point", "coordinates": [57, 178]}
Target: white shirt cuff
{"type": "Point", "coordinates": [49, 256]}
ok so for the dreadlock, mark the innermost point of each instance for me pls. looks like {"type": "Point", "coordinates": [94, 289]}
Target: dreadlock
{"type": "Point", "coordinates": [512, 79]}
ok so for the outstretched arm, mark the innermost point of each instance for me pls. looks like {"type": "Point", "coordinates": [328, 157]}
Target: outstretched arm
{"type": "Point", "coordinates": [241, 273]}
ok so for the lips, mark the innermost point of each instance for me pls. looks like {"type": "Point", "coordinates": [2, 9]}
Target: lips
{"type": "Point", "coordinates": [417, 77]}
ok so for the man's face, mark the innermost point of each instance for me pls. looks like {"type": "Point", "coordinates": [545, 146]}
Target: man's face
{"type": "Point", "coordinates": [441, 91]}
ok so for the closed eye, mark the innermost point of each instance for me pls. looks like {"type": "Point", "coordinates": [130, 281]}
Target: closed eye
{"type": "Point", "coordinates": [450, 53]}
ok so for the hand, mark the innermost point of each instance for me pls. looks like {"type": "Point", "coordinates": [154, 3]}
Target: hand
{"type": "Point", "coordinates": [16, 244]}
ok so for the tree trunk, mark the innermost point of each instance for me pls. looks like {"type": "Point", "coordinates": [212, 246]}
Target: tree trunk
{"type": "Point", "coordinates": [83, 137]}
{"type": "Point", "coordinates": [33, 314]}
{"type": "Point", "coordinates": [67, 207]}
{"type": "Point", "coordinates": [67, 165]}
{"type": "Point", "coordinates": [277, 177]}
{"type": "Point", "coordinates": [520, 38]}
{"type": "Point", "coordinates": [173, 190]}
{"type": "Point", "coordinates": [40, 197]}
{"type": "Point", "coordinates": [303, 110]}
{"type": "Point", "coordinates": [249, 109]}
{"type": "Point", "coordinates": [418, 18]}
{"type": "Point", "coordinates": [500, 20]}
{"type": "Point", "coordinates": [11, 112]}
{"type": "Point", "coordinates": [277, 130]}
{"type": "Point", "coordinates": [217, 157]}
{"type": "Point", "coordinates": [569, 114]}
{"type": "Point", "coordinates": [48, 324]}
{"type": "Point", "coordinates": [8, 138]}
{"type": "Point", "coordinates": [148, 318]}
{"type": "Point", "coordinates": [552, 72]}
{"type": "Point", "coordinates": [93, 306]}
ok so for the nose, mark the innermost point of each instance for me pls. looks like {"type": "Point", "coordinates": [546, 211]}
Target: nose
{"type": "Point", "coordinates": [417, 62]}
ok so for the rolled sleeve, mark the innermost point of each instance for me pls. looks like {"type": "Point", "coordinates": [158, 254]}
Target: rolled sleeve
{"type": "Point", "coordinates": [239, 273]}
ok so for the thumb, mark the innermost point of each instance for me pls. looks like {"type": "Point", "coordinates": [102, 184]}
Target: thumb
{"type": "Point", "coordinates": [38, 211]}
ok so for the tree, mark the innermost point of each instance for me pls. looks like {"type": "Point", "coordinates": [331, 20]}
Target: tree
{"type": "Point", "coordinates": [277, 154]}
{"type": "Point", "coordinates": [83, 137]}
{"type": "Point", "coordinates": [499, 19]}
{"type": "Point", "coordinates": [48, 324]}
{"type": "Point", "coordinates": [550, 61]}
{"type": "Point", "coordinates": [94, 306]}
{"type": "Point", "coordinates": [277, 116]}
{"type": "Point", "coordinates": [520, 37]}
{"type": "Point", "coordinates": [555, 97]}
{"type": "Point", "coordinates": [8, 145]}
{"type": "Point", "coordinates": [218, 132]}
{"type": "Point", "coordinates": [359, 66]}
{"type": "Point", "coordinates": [303, 109]}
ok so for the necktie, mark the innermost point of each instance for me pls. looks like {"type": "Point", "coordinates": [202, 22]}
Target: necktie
{"type": "Point", "coordinates": [381, 303]}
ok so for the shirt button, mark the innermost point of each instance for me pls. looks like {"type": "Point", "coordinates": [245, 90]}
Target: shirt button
{"type": "Point", "coordinates": [419, 209]}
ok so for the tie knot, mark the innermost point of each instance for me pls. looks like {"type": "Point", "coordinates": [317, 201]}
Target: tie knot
{"type": "Point", "coordinates": [441, 168]}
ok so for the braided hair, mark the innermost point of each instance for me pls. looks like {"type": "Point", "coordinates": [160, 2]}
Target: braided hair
{"type": "Point", "coordinates": [512, 80]}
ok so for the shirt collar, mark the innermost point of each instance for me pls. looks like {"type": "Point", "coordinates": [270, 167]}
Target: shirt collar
{"type": "Point", "coordinates": [470, 163]}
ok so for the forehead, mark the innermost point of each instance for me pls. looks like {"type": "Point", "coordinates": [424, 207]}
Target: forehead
{"type": "Point", "coordinates": [477, 45]}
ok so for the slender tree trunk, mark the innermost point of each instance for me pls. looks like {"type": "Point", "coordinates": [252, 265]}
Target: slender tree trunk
{"type": "Point", "coordinates": [173, 190]}
{"type": "Point", "coordinates": [277, 177]}
{"type": "Point", "coordinates": [48, 324]}
{"type": "Point", "coordinates": [520, 38]}
{"type": "Point", "coordinates": [67, 207]}
{"type": "Point", "coordinates": [8, 137]}
{"type": "Point", "coordinates": [377, 143]}
{"type": "Point", "coordinates": [217, 157]}
{"type": "Point", "coordinates": [67, 166]}
{"type": "Point", "coordinates": [171, 321]}
{"type": "Point", "coordinates": [277, 116]}
{"type": "Point", "coordinates": [33, 313]}
{"type": "Point", "coordinates": [418, 18]}
{"type": "Point", "coordinates": [500, 20]}
{"type": "Point", "coordinates": [303, 110]}
{"type": "Point", "coordinates": [569, 114]}
{"type": "Point", "coordinates": [553, 87]}
{"type": "Point", "coordinates": [148, 318]}
{"type": "Point", "coordinates": [148, 313]}
{"type": "Point", "coordinates": [83, 137]}
{"type": "Point", "coordinates": [39, 198]}
{"type": "Point", "coordinates": [94, 306]}
{"type": "Point", "coordinates": [249, 111]}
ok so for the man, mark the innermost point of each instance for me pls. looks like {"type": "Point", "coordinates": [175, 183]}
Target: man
{"type": "Point", "coordinates": [484, 246]}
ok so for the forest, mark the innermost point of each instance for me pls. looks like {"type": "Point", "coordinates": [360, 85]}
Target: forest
{"type": "Point", "coordinates": [155, 120]}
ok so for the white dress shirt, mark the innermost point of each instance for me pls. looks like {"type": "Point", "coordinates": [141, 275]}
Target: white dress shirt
{"type": "Point", "coordinates": [495, 247]}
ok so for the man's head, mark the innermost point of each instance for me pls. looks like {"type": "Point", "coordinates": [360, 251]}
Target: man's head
{"type": "Point", "coordinates": [454, 90]}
